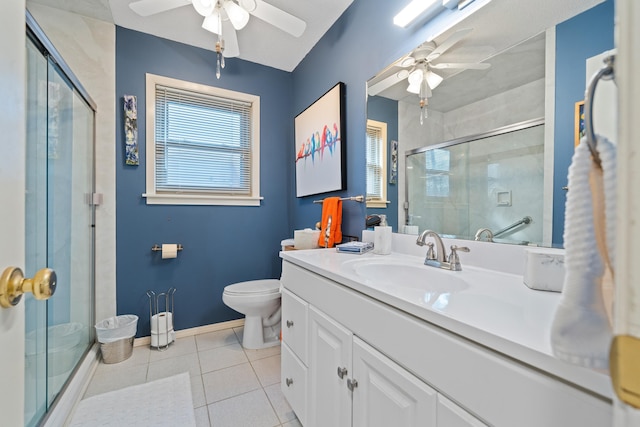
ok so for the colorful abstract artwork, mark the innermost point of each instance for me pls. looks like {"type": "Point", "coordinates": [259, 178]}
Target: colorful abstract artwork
{"type": "Point", "coordinates": [131, 130]}
{"type": "Point", "coordinates": [579, 129]}
{"type": "Point", "coordinates": [320, 145]}
{"type": "Point", "coordinates": [393, 174]}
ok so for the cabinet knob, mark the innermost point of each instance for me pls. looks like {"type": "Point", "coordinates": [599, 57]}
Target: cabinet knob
{"type": "Point", "coordinates": [289, 323]}
{"type": "Point", "coordinates": [351, 384]}
{"type": "Point", "coordinates": [342, 372]}
{"type": "Point", "coordinates": [289, 381]}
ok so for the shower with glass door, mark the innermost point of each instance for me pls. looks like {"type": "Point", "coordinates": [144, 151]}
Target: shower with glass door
{"type": "Point", "coordinates": [59, 223]}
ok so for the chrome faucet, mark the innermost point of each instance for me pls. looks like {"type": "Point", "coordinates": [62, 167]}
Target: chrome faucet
{"type": "Point", "coordinates": [438, 258]}
{"type": "Point", "coordinates": [482, 231]}
{"type": "Point", "coordinates": [439, 254]}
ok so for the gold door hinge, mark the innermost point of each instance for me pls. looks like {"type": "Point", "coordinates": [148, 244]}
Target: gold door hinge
{"type": "Point", "coordinates": [624, 365]}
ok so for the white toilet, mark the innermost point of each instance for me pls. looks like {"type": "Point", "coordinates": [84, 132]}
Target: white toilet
{"type": "Point", "coordinates": [259, 301]}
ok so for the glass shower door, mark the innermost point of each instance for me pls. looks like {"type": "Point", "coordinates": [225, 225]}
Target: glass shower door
{"type": "Point", "coordinates": [60, 232]}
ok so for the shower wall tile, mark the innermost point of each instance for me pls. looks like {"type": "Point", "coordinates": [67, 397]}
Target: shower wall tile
{"type": "Point", "coordinates": [513, 106]}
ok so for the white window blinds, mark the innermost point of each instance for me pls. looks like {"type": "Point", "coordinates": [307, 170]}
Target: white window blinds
{"type": "Point", "coordinates": [376, 158]}
{"type": "Point", "coordinates": [202, 143]}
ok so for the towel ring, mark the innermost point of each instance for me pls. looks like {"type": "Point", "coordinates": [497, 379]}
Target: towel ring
{"type": "Point", "coordinates": [605, 73]}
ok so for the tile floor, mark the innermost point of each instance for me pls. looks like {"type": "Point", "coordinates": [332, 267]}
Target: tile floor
{"type": "Point", "coordinates": [230, 386]}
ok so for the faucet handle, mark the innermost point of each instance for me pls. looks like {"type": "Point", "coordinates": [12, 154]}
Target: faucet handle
{"type": "Point", "coordinates": [454, 260]}
{"type": "Point", "coordinates": [431, 254]}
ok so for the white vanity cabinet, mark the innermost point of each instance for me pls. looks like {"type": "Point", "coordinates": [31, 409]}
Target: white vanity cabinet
{"type": "Point", "coordinates": [351, 383]}
{"type": "Point", "coordinates": [329, 370]}
{"type": "Point", "coordinates": [293, 372]}
{"type": "Point", "coordinates": [388, 395]}
{"type": "Point", "coordinates": [404, 370]}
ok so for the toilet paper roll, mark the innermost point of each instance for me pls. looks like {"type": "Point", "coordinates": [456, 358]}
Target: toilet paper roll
{"type": "Point", "coordinates": [169, 250]}
{"type": "Point", "coordinates": [162, 322]}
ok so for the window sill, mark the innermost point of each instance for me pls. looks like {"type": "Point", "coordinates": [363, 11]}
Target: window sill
{"type": "Point", "coordinates": [191, 199]}
{"type": "Point", "coordinates": [377, 203]}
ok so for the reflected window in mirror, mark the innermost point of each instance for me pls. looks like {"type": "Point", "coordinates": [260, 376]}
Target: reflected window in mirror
{"type": "Point", "coordinates": [438, 171]}
{"type": "Point", "coordinates": [376, 164]}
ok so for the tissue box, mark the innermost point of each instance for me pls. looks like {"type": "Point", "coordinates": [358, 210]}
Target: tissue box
{"type": "Point", "coordinates": [544, 269]}
{"type": "Point", "coordinates": [306, 239]}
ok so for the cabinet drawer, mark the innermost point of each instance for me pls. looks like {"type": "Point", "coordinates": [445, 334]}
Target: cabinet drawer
{"type": "Point", "coordinates": [451, 415]}
{"type": "Point", "coordinates": [294, 324]}
{"type": "Point", "coordinates": [293, 382]}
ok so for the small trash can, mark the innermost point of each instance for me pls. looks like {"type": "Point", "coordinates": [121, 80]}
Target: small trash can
{"type": "Point", "coordinates": [115, 336]}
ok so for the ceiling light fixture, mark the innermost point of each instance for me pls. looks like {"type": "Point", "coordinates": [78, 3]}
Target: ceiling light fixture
{"type": "Point", "coordinates": [416, 8]}
{"type": "Point", "coordinates": [226, 16]}
{"type": "Point", "coordinates": [213, 23]}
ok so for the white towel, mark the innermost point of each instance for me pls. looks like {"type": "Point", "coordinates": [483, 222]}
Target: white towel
{"type": "Point", "coordinates": [581, 333]}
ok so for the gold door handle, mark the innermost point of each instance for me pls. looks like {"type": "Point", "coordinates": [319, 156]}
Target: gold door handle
{"type": "Point", "coordinates": [13, 285]}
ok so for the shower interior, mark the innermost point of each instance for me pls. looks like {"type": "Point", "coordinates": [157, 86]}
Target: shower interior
{"type": "Point", "coordinates": [59, 223]}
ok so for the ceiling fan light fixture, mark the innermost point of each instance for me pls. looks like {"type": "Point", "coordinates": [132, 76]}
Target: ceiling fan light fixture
{"type": "Point", "coordinates": [237, 15]}
{"type": "Point", "coordinates": [415, 78]}
{"type": "Point", "coordinates": [212, 22]}
{"type": "Point", "coordinates": [415, 9]}
{"type": "Point", "coordinates": [204, 7]}
{"type": "Point", "coordinates": [433, 79]}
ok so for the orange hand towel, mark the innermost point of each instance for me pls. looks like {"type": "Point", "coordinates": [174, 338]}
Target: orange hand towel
{"type": "Point", "coordinates": [330, 232]}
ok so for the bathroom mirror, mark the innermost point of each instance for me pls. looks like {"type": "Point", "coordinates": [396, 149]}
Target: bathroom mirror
{"type": "Point", "coordinates": [531, 65]}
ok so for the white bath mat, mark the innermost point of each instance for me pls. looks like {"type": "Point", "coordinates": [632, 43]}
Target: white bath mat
{"type": "Point", "coordinates": [164, 402]}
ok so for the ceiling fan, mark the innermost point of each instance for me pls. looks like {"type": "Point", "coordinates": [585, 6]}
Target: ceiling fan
{"type": "Point", "coordinates": [417, 68]}
{"type": "Point", "coordinates": [225, 17]}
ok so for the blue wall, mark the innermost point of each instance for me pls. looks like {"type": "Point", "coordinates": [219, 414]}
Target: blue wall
{"type": "Point", "coordinates": [229, 244]}
{"type": "Point", "coordinates": [361, 42]}
{"type": "Point", "coordinates": [577, 39]}
{"type": "Point", "coordinates": [386, 110]}
{"type": "Point", "coordinates": [222, 244]}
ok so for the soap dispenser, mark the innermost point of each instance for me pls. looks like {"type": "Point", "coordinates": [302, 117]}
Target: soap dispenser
{"type": "Point", "coordinates": [382, 237]}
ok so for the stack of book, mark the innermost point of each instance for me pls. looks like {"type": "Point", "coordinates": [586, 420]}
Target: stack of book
{"type": "Point", "coordinates": [355, 247]}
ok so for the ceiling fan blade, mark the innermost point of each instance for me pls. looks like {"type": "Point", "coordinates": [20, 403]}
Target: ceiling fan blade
{"type": "Point", "coordinates": [151, 7]}
{"type": "Point", "coordinates": [469, 66]}
{"type": "Point", "coordinates": [231, 48]}
{"type": "Point", "coordinates": [448, 43]}
{"type": "Point", "coordinates": [386, 83]}
{"type": "Point", "coordinates": [279, 18]}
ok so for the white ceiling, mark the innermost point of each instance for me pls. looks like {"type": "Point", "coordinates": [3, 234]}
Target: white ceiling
{"type": "Point", "coordinates": [496, 27]}
{"type": "Point", "coordinates": [259, 42]}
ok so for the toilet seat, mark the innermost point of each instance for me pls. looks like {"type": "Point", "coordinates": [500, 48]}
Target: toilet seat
{"type": "Point", "coordinates": [254, 287]}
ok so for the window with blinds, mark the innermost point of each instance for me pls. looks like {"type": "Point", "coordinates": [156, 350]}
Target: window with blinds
{"type": "Point", "coordinates": [376, 158]}
{"type": "Point", "coordinates": [204, 144]}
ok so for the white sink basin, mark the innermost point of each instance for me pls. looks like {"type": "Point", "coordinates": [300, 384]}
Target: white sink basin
{"type": "Point", "coordinates": [429, 285]}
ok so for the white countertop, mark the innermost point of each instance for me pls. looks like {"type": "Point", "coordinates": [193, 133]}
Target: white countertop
{"type": "Point", "coordinates": [493, 309]}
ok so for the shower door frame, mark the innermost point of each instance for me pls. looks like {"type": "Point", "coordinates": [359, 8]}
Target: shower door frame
{"type": "Point", "coordinates": [36, 35]}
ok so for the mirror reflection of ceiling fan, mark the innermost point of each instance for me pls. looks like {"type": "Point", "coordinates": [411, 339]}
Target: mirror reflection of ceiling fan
{"type": "Point", "coordinates": [224, 18]}
{"type": "Point", "coordinates": [417, 68]}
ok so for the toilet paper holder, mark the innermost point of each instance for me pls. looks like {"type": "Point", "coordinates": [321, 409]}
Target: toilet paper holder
{"type": "Point", "coordinates": [158, 248]}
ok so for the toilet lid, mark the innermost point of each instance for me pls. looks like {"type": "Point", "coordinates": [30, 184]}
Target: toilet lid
{"type": "Point", "coordinates": [254, 287]}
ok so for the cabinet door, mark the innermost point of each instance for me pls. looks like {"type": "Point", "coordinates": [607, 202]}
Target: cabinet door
{"type": "Point", "coordinates": [329, 402]}
{"type": "Point", "coordinates": [387, 394]}
{"type": "Point", "coordinates": [452, 415]}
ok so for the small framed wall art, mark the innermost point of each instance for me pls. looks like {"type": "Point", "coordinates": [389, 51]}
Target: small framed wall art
{"type": "Point", "coordinates": [579, 128]}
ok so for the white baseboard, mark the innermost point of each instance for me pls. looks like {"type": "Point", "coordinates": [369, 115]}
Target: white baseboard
{"type": "Point", "coordinates": [195, 331]}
